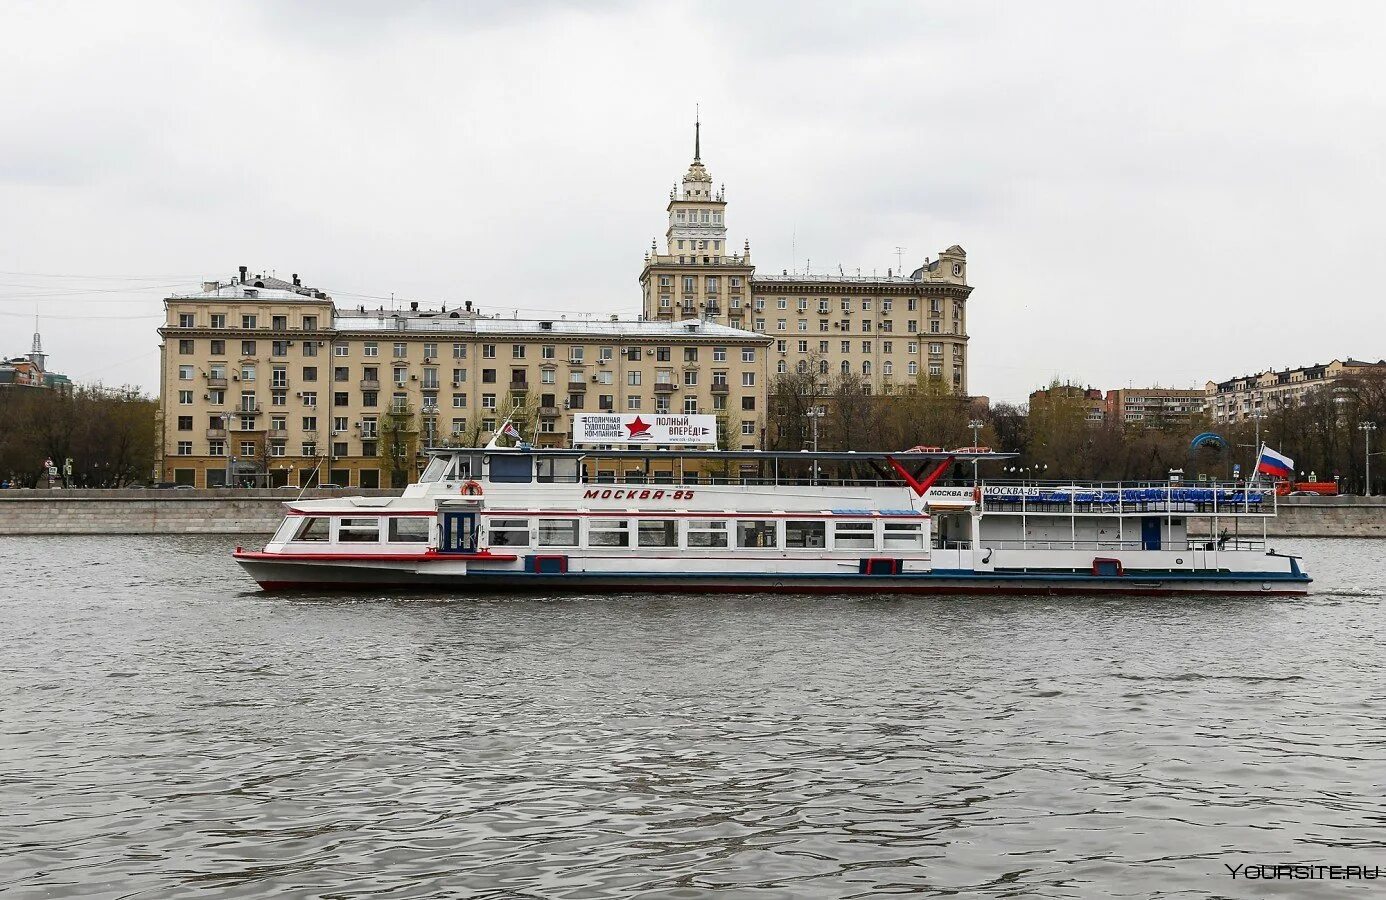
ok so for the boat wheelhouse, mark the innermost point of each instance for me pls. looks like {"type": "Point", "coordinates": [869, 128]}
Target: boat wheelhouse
{"type": "Point", "coordinates": [743, 521]}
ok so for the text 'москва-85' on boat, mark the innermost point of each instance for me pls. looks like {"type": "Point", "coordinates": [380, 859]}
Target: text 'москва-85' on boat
{"type": "Point", "coordinates": [637, 519]}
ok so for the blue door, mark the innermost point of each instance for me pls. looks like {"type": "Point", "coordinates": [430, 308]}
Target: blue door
{"type": "Point", "coordinates": [1150, 533]}
{"type": "Point", "coordinates": [458, 533]}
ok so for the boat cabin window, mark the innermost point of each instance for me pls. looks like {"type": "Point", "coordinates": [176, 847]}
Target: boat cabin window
{"type": "Point", "coordinates": [608, 533]}
{"type": "Point", "coordinates": [558, 532]}
{"type": "Point", "coordinates": [707, 533]}
{"type": "Point", "coordinates": [657, 533]}
{"type": "Point", "coordinates": [509, 532]}
{"type": "Point", "coordinates": [557, 468]}
{"type": "Point", "coordinates": [359, 531]}
{"type": "Point", "coordinates": [437, 467]}
{"type": "Point", "coordinates": [756, 533]}
{"type": "Point", "coordinates": [507, 469]}
{"type": "Point", "coordinates": [408, 530]}
{"type": "Point", "coordinates": [854, 536]}
{"type": "Point", "coordinates": [805, 535]}
{"type": "Point", "coordinates": [904, 536]}
{"type": "Point", "coordinates": [314, 528]}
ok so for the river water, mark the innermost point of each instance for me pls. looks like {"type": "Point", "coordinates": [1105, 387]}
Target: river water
{"type": "Point", "coordinates": [167, 730]}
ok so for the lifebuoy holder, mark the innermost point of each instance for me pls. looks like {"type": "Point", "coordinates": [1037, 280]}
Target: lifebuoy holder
{"type": "Point", "coordinates": [471, 489]}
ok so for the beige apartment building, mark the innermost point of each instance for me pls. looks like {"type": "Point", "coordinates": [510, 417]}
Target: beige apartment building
{"type": "Point", "coordinates": [1240, 399]}
{"type": "Point", "coordinates": [267, 378]}
{"type": "Point", "coordinates": [888, 329]}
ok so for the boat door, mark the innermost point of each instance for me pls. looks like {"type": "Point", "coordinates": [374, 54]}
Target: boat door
{"type": "Point", "coordinates": [1150, 533]}
{"type": "Point", "coordinates": [457, 532]}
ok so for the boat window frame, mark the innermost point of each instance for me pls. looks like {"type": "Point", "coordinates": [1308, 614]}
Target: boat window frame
{"type": "Point", "coordinates": [304, 523]}
{"type": "Point", "coordinates": [709, 527]}
{"type": "Point", "coordinates": [392, 528]}
{"type": "Point", "coordinates": [773, 530]}
{"type": "Point", "coordinates": [819, 524]}
{"type": "Point", "coordinates": [671, 531]}
{"type": "Point", "coordinates": [511, 528]}
{"type": "Point", "coordinates": [916, 526]}
{"type": "Point", "coordinates": [588, 528]}
{"type": "Point", "coordinates": [339, 529]}
{"type": "Point", "coordinates": [854, 526]}
{"type": "Point", "coordinates": [576, 524]}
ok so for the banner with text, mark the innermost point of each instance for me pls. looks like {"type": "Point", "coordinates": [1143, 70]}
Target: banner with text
{"type": "Point", "coordinates": [642, 428]}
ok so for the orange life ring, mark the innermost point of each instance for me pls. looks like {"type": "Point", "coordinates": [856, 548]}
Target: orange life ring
{"type": "Point", "coordinates": [471, 489]}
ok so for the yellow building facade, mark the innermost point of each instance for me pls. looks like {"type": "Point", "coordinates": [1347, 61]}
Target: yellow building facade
{"type": "Point", "coordinates": [888, 329]}
{"type": "Point", "coordinates": [266, 380]}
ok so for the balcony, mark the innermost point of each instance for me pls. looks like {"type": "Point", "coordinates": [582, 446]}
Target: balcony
{"type": "Point", "coordinates": [519, 386]}
{"type": "Point", "coordinates": [712, 309]}
{"type": "Point", "coordinates": [216, 434]}
{"type": "Point", "coordinates": [278, 434]}
{"type": "Point", "coordinates": [664, 387]}
{"type": "Point", "coordinates": [577, 387]}
{"type": "Point", "coordinates": [549, 411]}
{"type": "Point", "coordinates": [241, 428]}
{"type": "Point", "coordinates": [216, 382]}
{"type": "Point", "coordinates": [722, 388]}
{"type": "Point", "coordinates": [370, 384]}
{"type": "Point", "coordinates": [248, 409]}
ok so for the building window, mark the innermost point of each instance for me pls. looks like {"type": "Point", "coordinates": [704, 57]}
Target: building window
{"type": "Point", "coordinates": [488, 351]}
{"type": "Point", "coordinates": [186, 347]}
{"type": "Point", "coordinates": [218, 320]}
{"type": "Point", "coordinates": [185, 398]}
{"type": "Point", "coordinates": [369, 348]}
{"type": "Point", "coordinates": [247, 321]}
{"type": "Point", "coordinates": [185, 448]}
{"type": "Point", "coordinates": [748, 354]}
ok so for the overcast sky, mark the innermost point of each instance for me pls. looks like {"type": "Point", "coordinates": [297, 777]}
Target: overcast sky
{"type": "Point", "coordinates": [1148, 193]}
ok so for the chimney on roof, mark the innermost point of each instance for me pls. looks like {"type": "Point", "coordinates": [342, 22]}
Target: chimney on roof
{"type": "Point", "coordinates": [243, 271]}
{"type": "Point", "coordinates": [296, 281]}
{"type": "Point", "coordinates": [414, 306]}
{"type": "Point", "coordinates": [469, 306]}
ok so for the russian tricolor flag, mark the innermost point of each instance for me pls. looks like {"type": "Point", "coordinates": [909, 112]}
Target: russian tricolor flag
{"type": "Point", "coordinates": [1276, 465]}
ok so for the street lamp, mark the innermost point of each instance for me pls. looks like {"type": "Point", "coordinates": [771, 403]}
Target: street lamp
{"type": "Point", "coordinates": [976, 426]}
{"type": "Point", "coordinates": [814, 414]}
{"type": "Point", "coordinates": [1257, 417]}
{"type": "Point", "coordinates": [1367, 428]}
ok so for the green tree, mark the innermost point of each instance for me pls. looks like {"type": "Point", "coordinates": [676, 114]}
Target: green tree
{"type": "Point", "coordinates": [399, 443]}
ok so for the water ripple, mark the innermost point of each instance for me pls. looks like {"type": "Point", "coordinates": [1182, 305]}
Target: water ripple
{"type": "Point", "coordinates": [166, 731]}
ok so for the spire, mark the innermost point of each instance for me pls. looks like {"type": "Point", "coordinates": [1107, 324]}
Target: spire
{"type": "Point", "coordinates": [697, 135]}
{"type": "Point", "coordinates": [38, 341]}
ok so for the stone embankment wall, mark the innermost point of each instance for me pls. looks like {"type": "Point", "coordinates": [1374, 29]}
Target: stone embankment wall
{"type": "Point", "coordinates": [214, 511]}
{"type": "Point", "coordinates": [1316, 517]}
{"type": "Point", "coordinates": [232, 511]}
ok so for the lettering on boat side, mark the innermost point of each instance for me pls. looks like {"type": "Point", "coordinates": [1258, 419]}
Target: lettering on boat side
{"type": "Point", "coordinates": [618, 494]}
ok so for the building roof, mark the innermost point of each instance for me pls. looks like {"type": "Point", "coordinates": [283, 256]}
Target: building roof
{"type": "Point", "coordinates": [445, 323]}
{"type": "Point", "coordinates": [248, 291]}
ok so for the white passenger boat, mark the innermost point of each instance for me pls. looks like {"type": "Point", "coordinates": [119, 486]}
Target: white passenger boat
{"type": "Point", "coordinates": [745, 521]}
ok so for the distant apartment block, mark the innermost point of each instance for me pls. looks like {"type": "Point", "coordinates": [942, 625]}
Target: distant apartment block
{"type": "Point", "coordinates": [1153, 406]}
{"type": "Point", "coordinates": [1090, 398]}
{"type": "Point", "coordinates": [1237, 399]}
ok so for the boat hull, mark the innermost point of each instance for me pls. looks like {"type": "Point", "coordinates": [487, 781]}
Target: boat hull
{"type": "Point", "coordinates": [340, 576]}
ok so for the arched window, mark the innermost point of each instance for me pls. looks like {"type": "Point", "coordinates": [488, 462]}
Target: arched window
{"type": "Point", "coordinates": [846, 367]}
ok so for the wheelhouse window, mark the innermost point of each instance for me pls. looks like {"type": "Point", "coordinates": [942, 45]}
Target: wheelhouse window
{"type": "Point", "coordinates": [608, 533]}
{"type": "Point", "coordinates": [904, 536]}
{"type": "Point", "coordinates": [358, 531]}
{"type": "Point", "coordinates": [756, 534]}
{"type": "Point", "coordinates": [558, 532]}
{"type": "Point", "coordinates": [408, 530]}
{"type": "Point", "coordinates": [508, 532]}
{"type": "Point", "coordinates": [805, 535]}
{"type": "Point", "coordinates": [657, 533]}
{"type": "Point", "coordinates": [854, 536]}
{"type": "Point", "coordinates": [314, 528]}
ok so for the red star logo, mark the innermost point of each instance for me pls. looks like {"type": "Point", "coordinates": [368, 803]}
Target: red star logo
{"type": "Point", "coordinates": [638, 427]}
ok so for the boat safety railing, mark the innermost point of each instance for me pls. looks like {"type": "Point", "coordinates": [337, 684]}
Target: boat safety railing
{"type": "Point", "coordinates": [1200, 543]}
{"type": "Point", "coordinates": [1210, 499]}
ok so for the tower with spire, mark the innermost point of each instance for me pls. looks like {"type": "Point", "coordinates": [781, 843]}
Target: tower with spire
{"type": "Point", "coordinates": [36, 354]}
{"type": "Point", "coordinates": [698, 274]}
